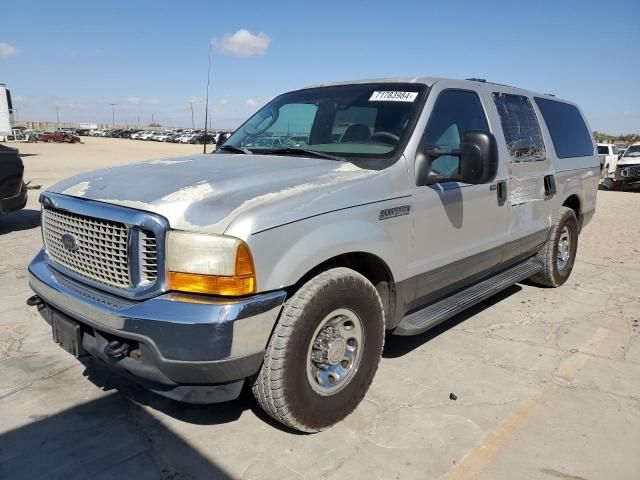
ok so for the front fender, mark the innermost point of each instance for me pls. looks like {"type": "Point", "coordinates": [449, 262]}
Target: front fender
{"type": "Point", "coordinates": [283, 255]}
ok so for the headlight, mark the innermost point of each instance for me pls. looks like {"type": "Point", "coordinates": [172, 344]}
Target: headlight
{"type": "Point", "coordinates": [211, 264]}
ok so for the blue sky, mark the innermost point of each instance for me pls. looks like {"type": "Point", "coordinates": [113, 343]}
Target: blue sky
{"type": "Point", "coordinates": [150, 56]}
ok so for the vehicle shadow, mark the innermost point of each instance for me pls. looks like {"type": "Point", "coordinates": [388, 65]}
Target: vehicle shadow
{"type": "Point", "coordinates": [110, 437]}
{"type": "Point", "coordinates": [396, 346]}
{"type": "Point", "coordinates": [108, 380]}
{"type": "Point", "coordinates": [25, 219]}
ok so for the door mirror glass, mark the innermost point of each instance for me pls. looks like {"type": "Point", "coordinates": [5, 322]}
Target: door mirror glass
{"type": "Point", "coordinates": [476, 161]}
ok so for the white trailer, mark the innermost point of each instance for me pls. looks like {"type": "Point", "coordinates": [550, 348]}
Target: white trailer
{"type": "Point", "coordinates": [6, 112]}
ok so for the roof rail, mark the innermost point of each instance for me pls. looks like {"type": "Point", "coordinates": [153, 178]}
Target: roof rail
{"type": "Point", "coordinates": [550, 94]}
{"type": "Point", "coordinates": [473, 79]}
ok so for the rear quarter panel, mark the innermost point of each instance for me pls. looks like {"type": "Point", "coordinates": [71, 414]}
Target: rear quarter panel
{"type": "Point", "coordinates": [577, 176]}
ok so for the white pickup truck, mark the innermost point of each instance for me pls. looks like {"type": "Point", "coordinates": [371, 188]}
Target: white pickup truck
{"type": "Point", "coordinates": [608, 155]}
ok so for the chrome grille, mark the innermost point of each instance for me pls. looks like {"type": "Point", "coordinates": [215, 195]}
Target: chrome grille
{"type": "Point", "coordinates": [101, 253]}
{"type": "Point", "coordinates": [112, 248]}
{"type": "Point", "coordinates": [148, 257]}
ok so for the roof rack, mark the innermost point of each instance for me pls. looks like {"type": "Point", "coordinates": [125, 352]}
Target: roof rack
{"type": "Point", "coordinates": [473, 79]}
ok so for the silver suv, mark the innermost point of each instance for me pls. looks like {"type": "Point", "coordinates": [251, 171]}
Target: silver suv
{"type": "Point", "coordinates": [387, 207]}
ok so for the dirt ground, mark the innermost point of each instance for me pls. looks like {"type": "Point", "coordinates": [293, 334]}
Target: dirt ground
{"type": "Point", "coordinates": [547, 380]}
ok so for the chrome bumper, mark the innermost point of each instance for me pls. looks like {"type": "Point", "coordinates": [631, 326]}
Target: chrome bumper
{"type": "Point", "coordinates": [194, 339]}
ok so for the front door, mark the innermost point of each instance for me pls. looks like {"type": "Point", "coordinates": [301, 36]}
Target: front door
{"type": "Point", "coordinates": [459, 229]}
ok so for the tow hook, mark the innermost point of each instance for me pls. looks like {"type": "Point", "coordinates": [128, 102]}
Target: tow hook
{"type": "Point", "coordinates": [116, 349]}
{"type": "Point", "coordinates": [35, 301]}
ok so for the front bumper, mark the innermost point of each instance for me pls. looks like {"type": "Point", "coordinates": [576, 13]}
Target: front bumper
{"type": "Point", "coordinates": [15, 202]}
{"type": "Point", "coordinates": [627, 173]}
{"type": "Point", "coordinates": [193, 348]}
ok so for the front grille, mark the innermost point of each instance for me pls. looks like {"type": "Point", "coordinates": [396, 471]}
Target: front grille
{"type": "Point", "coordinates": [148, 257]}
{"type": "Point", "coordinates": [112, 248]}
{"type": "Point", "coordinates": [633, 171]}
{"type": "Point", "coordinates": [100, 250]}
{"type": "Point", "coordinates": [101, 253]}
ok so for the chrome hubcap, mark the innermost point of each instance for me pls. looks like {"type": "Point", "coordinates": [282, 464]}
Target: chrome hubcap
{"type": "Point", "coordinates": [564, 249]}
{"type": "Point", "coordinates": [335, 352]}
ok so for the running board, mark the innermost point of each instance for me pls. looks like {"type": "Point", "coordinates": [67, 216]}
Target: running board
{"type": "Point", "coordinates": [435, 313]}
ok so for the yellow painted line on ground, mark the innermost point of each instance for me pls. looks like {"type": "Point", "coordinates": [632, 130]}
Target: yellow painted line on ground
{"type": "Point", "coordinates": [478, 458]}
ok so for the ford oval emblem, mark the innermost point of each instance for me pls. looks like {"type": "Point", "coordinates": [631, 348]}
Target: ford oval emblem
{"type": "Point", "coordinates": [69, 242]}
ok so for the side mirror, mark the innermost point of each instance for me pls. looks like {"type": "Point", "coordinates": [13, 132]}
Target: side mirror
{"type": "Point", "coordinates": [478, 156]}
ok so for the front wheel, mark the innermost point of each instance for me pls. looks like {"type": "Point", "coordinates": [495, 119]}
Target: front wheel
{"type": "Point", "coordinates": [559, 252]}
{"type": "Point", "coordinates": [323, 353]}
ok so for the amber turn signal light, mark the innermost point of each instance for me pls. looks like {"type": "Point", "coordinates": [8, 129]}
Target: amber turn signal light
{"type": "Point", "coordinates": [243, 282]}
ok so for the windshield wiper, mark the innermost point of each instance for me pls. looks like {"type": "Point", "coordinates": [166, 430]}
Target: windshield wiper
{"type": "Point", "coordinates": [301, 151]}
{"type": "Point", "coordinates": [231, 148]}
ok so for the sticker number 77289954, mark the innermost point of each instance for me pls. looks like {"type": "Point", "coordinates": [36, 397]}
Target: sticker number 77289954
{"type": "Point", "coordinates": [393, 96]}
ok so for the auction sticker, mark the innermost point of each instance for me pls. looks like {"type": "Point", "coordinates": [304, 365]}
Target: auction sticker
{"type": "Point", "coordinates": [393, 96]}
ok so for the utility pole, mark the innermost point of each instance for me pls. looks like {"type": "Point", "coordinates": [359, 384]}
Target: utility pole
{"type": "Point", "coordinates": [58, 116]}
{"type": "Point", "coordinates": [153, 122]}
{"type": "Point", "coordinates": [206, 108]}
{"type": "Point", "coordinates": [193, 123]}
{"type": "Point", "coordinates": [138, 120]}
{"type": "Point", "coordinates": [113, 114]}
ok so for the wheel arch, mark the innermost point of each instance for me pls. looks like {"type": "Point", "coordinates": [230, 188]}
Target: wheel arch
{"type": "Point", "coordinates": [369, 265]}
{"type": "Point", "coordinates": [573, 202]}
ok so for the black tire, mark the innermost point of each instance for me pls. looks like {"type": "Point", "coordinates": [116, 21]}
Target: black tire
{"type": "Point", "coordinates": [552, 275]}
{"type": "Point", "coordinates": [608, 184]}
{"type": "Point", "coordinates": [282, 387]}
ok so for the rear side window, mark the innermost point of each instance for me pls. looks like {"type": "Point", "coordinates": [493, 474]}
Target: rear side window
{"type": "Point", "coordinates": [569, 133]}
{"type": "Point", "coordinates": [603, 150]}
{"type": "Point", "coordinates": [520, 126]}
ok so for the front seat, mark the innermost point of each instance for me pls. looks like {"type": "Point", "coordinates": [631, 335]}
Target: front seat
{"type": "Point", "coordinates": [356, 133]}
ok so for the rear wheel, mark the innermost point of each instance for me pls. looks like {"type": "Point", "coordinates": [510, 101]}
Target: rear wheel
{"type": "Point", "coordinates": [559, 252]}
{"type": "Point", "coordinates": [323, 353]}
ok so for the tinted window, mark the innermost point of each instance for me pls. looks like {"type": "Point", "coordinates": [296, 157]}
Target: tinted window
{"type": "Point", "coordinates": [603, 150]}
{"type": "Point", "coordinates": [455, 113]}
{"type": "Point", "coordinates": [569, 133]}
{"type": "Point", "coordinates": [520, 126]}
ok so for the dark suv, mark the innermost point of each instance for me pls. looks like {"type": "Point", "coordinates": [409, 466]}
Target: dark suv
{"type": "Point", "coordinates": [13, 191]}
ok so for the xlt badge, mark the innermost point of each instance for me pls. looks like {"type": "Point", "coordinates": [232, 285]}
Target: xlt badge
{"type": "Point", "coordinates": [394, 212]}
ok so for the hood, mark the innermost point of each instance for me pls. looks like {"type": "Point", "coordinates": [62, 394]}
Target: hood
{"type": "Point", "coordinates": [207, 192]}
{"type": "Point", "coordinates": [628, 161]}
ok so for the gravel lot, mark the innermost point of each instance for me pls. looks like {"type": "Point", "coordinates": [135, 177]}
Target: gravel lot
{"type": "Point", "coordinates": [547, 381]}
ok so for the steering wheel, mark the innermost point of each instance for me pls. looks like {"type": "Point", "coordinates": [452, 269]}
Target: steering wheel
{"type": "Point", "coordinates": [384, 137]}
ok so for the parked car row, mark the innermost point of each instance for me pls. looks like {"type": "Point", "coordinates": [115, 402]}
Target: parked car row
{"type": "Point", "coordinates": [173, 135]}
{"type": "Point", "coordinates": [58, 136]}
{"type": "Point", "coordinates": [73, 135]}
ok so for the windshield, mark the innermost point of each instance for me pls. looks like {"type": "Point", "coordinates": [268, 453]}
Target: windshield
{"type": "Point", "coordinates": [371, 120]}
{"type": "Point", "coordinates": [632, 151]}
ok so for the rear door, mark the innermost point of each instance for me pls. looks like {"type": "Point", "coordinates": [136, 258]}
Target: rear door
{"type": "Point", "coordinates": [531, 181]}
{"type": "Point", "coordinates": [459, 229]}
